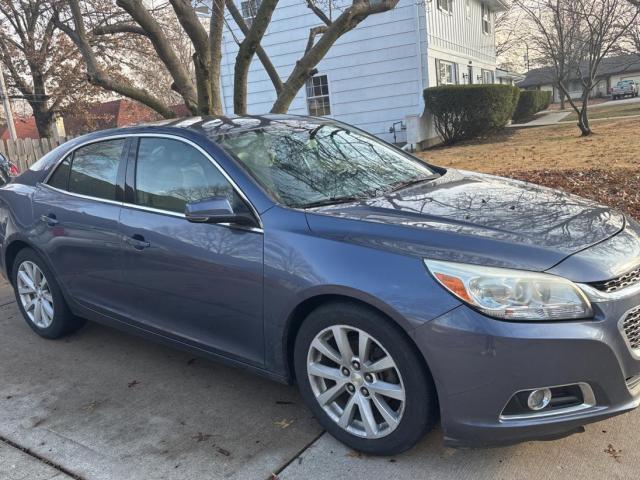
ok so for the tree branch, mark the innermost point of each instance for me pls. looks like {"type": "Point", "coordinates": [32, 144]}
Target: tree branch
{"type": "Point", "coordinates": [96, 75]}
{"type": "Point", "coordinates": [119, 28]}
{"type": "Point", "coordinates": [182, 81]}
{"type": "Point", "coordinates": [262, 55]}
{"type": "Point", "coordinates": [247, 50]}
{"type": "Point", "coordinates": [319, 13]}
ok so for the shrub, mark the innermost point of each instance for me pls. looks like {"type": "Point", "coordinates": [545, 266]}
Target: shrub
{"type": "Point", "coordinates": [467, 111]}
{"type": "Point", "coordinates": [531, 102]}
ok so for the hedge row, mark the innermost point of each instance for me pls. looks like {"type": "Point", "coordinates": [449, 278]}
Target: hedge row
{"type": "Point", "coordinates": [531, 102]}
{"type": "Point", "coordinates": [463, 112]}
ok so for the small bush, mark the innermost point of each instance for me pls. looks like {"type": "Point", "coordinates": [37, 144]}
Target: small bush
{"type": "Point", "coordinates": [463, 112]}
{"type": "Point", "coordinates": [531, 102]}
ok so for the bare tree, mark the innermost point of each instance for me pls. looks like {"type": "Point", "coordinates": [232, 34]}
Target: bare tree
{"type": "Point", "coordinates": [512, 31]}
{"type": "Point", "coordinates": [320, 40]}
{"type": "Point", "coordinates": [200, 91]}
{"type": "Point", "coordinates": [199, 86]}
{"type": "Point", "coordinates": [574, 36]}
{"type": "Point", "coordinates": [43, 66]}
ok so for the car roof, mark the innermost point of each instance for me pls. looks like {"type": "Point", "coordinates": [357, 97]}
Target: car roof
{"type": "Point", "coordinates": [212, 126]}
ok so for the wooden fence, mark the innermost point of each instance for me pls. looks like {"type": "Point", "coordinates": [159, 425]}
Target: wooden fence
{"type": "Point", "coordinates": [26, 151]}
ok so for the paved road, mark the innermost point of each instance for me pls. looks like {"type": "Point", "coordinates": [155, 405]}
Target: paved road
{"type": "Point", "coordinates": [105, 405]}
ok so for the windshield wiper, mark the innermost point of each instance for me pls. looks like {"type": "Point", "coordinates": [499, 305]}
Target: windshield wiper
{"type": "Point", "coordinates": [408, 183]}
{"type": "Point", "coordinates": [330, 201]}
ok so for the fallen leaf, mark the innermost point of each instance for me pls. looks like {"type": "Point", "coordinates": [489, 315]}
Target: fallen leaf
{"type": "Point", "coordinates": [284, 423]}
{"type": "Point", "coordinates": [616, 454]}
{"type": "Point", "coordinates": [201, 437]}
{"type": "Point", "coordinates": [222, 451]}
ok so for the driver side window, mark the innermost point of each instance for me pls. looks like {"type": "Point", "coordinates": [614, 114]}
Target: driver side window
{"type": "Point", "coordinates": [170, 174]}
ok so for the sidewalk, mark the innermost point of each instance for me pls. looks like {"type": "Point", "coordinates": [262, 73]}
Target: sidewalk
{"type": "Point", "coordinates": [17, 465]}
{"type": "Point", "coordinates": [543, 119]}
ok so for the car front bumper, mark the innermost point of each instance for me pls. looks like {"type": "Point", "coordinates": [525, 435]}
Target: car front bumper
{"type": "Point", "coordinates": [479, 363]}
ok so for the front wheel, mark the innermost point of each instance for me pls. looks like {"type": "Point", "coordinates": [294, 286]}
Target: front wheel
{"type": "Point", "coordinates": [39, 297]}
{"type": "Point", "coordinates": [363, 379]}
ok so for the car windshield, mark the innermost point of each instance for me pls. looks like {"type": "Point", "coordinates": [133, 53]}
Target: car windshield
{"type": "Point", "coordinates": [304, 164]}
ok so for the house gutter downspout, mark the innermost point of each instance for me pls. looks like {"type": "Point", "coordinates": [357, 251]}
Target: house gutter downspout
{"type": "Point", "coordinates": [419, 59]}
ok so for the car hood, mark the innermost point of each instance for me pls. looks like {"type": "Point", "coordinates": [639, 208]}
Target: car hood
{"type": "Point", "coordinates": [474, 218]}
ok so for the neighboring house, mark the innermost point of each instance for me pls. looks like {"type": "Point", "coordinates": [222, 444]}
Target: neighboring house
{"type": "Point", "coordinates": [611, 71]}
{"type": "Point", "coordinates": [112, 114]}
{"type": "Point", "coordinates": [25, 128]}
{"type": "Point", "coordinates": [100, 116]}
{"type": "Point", "coordinates": [507, 77]}
{"type": "Point", "coordinates": [374, 76]}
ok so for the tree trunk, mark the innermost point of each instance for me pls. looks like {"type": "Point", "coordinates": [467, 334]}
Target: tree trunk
{"type": "Point", "coordinates": [583, 121]}
{"type": "Point", "coordinates": [215, 47]}
{"type": "Point", "coordinates": [44, 121]}
{"type": "Point", "coordinates": [246, 52]}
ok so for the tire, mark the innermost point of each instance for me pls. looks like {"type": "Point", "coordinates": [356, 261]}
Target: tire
{"type": "Point", "coordinates": [410, 420]}
{"type": "Point", "coordinates": [49, 316]}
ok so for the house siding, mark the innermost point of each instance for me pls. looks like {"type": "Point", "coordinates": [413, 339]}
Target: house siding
{"type": "Point", "coordinates": [376, 72]}
{"type": "Point", "coordinates": [460, 39]}
{"type": "Point", "coordinates": [373, 71]}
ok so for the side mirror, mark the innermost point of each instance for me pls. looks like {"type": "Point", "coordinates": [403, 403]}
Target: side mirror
{"type": "Point", "coordinates": [216, 210]}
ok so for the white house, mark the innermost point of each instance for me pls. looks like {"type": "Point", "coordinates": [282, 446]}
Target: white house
{"type": "Point", "coordinates": [374, 76]}
{"type": "Point", "coordinates": [611, 71]}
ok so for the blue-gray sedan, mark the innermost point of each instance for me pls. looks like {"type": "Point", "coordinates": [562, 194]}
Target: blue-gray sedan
{"type": "Point", "coordinates": [391, 291]}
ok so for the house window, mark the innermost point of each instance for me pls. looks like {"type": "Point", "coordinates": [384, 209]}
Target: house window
{"type": "Point", "coordinates": [249, 10]}
{"type": "Point", "coordinates": [318, 103]}
{"type": "Point", "coordinates": [446, 73]}
{"type": "Point", "coordinates": [467, 8]}
{"type": "Point", "coordinates": [446, 6]}
{"type": "Point", "coordinates": [486, 19]}
{"type": "Point", "coordinates": [487, 76]}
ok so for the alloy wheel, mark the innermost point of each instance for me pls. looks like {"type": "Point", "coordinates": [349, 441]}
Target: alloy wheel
{"type": "Point", "coordinates": [356, 381]}
{"type": "Point", "coordinates": [35, 294]}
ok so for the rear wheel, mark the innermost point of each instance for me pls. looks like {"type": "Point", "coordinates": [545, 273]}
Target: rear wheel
{"type": "Point", "coordinates": [39, 297]}
{"type": "Point", "coordinates": [363, 379]}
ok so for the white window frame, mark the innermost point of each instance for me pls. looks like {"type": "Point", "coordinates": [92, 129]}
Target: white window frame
{"type": "Point", "coordinates": [249, 10]}
{"type": "Point", "coordinates": [488, 75]}
{"type": "Point", "coordinates": [311, 95]}
{"type": "Point", "coordinates": [485, 18]}
{"type": "Point", "coordinates": [445, 6]}
{"type": "Point", "coordinates": [440, 64]}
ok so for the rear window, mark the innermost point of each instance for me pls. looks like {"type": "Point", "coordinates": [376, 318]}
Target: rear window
{"type": "Point", "coordinates": [94, 169]}
{"type": "Point", "coordinates": [60, 178]}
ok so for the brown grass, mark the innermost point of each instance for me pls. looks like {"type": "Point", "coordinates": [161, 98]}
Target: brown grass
{"type": "Point", "coordinates": [624, 110]}
{"type": "Point", "coordinates": [615, 144]}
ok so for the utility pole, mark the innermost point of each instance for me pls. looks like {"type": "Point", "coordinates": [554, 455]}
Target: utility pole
{"type": "Point", "coordinates": [7, 107]}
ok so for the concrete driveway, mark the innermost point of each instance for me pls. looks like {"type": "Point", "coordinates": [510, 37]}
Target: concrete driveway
{"type": "Point", "coordinates": [105, 405]}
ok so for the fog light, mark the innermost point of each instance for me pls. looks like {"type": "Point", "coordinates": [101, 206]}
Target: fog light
{"type": "Point", "coordinates": [539, 399]}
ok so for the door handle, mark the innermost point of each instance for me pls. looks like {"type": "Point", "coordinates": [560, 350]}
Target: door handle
{"type": "Point", "coordinates": [50, 219]}
{"type": "Point", "coordinates": [137, 241]}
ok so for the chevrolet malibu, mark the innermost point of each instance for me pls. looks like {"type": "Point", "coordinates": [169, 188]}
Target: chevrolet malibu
{"type": "Point", "coordinates": [393, 292]}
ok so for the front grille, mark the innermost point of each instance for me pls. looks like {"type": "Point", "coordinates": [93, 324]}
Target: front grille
{"type": "Point", "coordinates": [631, 327]}
{"type": "Point", "coordinates": [633, 383]}
{"type": "Point", "coordinates": [619, 283]}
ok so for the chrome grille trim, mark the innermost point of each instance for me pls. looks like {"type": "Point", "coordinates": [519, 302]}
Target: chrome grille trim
{"type": "Point", "coordinates": [619, 283]}
{"type": "Point", "coordinates": [633, 384]}
{"type": "Point", "coordinates": [630, 326]}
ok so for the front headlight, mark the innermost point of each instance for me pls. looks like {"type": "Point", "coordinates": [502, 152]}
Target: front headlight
{"type": "Point", "coordinates": [512, 294]}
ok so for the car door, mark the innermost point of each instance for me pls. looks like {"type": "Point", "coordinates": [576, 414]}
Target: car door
{"type": "Point", "coordinates": [77, 214]}
{"type": "Point", "coordinates": [198, 282]}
